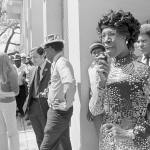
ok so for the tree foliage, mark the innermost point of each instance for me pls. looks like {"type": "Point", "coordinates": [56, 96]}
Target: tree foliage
{"type": "Point", "coordinates": [9, 32]}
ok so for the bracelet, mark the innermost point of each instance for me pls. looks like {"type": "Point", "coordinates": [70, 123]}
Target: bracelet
{"type": "Point", "coordinates": [139, 130]}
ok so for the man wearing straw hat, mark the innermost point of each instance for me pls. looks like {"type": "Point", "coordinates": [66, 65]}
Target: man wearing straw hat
{"type": "Point", "coordinates": [60, 97]}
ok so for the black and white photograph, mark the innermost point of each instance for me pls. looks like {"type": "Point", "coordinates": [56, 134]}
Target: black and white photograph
{"type": "Point", "coordinates": [74, 75]}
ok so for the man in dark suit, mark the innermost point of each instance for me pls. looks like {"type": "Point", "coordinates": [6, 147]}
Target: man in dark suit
{"type": "Point", "coordinates": [36, 106]}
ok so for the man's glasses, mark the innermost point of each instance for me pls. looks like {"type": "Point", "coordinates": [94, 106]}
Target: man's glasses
{"type": "Point", "coordinates": [46, 46]}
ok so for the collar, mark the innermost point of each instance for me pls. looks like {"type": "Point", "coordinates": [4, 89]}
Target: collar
{"type": "Point", "coordinates": [57, 56]}
{"type": "Point", "coordinates": [43, 65]}
{"type": "Point", "coordinates": [145, 56]}
{"type": "Point", "coordinates": [123, 60]}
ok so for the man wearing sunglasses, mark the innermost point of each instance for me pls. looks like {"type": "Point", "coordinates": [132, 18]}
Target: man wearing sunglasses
{"type": "Point", "coordinates": [60, 97]}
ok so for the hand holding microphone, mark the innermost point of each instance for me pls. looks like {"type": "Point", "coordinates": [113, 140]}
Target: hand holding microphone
{"type": "Point", "coordinates": [103, 68]}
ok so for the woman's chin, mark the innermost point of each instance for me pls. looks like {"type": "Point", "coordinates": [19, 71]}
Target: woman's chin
{"type": "Point", "coordinates": [110, 54]}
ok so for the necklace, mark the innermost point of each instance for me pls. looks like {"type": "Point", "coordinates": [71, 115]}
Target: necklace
{"type": "Point", "coordinates": [125, 63]}
{"type": "Point", "coordinates": [118, 62]}
{"type": "Point", "coordinates": [121, 68]}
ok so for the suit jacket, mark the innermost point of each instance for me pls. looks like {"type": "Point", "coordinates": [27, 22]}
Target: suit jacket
{"type": "Point", "coordinates": [139, 58]}
{"type": "Point", "coordinates": [42, 86]}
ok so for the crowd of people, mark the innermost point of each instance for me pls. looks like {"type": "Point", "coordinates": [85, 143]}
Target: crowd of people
{"type": "Point", "coordinates": [42, 88]}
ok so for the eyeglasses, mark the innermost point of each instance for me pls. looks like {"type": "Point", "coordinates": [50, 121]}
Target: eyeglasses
{"type": "Point", "coordinates": [46, 46]}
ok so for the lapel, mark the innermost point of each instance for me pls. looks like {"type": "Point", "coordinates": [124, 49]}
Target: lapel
{"type": "Point", "coordinates": [31, 87]}
{"type": "Point", "coordinates": [45, 70]}
{"type": "Point", "coordinates": [32, 81]}
{"type": "Point", "coordinates": [33, 74]}
{"type": "Point", "coordinates": [140, 58]}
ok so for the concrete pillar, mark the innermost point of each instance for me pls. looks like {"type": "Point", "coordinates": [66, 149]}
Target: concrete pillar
{"type": "Point", "coordinates": [44, 19]}
{"type": "Point", "coordinates": [54, 16]}
{"type": "Point", "coordinates": [36, 15]}
{"type": "Point", "coordinates": [26, 26]}
{"type": "Point", "coordinates": [24, 35]}
{"type": "Point", "coordinates": [72, 51]}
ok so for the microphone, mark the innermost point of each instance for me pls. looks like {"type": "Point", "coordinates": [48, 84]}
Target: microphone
{"type": "Point", "coordinates": [102, 56]}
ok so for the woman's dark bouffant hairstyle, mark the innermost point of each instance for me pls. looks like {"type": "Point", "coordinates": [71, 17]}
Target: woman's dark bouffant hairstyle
{"type": "Point", "coordinates": [124, 23]}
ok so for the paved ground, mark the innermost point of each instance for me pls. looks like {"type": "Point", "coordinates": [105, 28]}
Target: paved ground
{"type": "Point", "coordinates": [27, 140]}
{"type": "Point", "coordinates": [26, 135]}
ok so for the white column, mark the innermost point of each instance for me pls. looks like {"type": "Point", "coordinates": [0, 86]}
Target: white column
{"type": "Point", "coordinates": [36, 15]}
{"type": "Point", "coordinates": [24, 35]}
{"type": "Point", "coordinates": [26, 22]}
{"type": "Point", "coordinates": [22, 28]}
{"type": "Point", "coordinates": [29, 27]}
{"type": "Point", "coordinates": [54, 16]}
{"type": "Point", "coordinates": [72, 51]}
{"type": "Point", "coordinates": [44, 19]}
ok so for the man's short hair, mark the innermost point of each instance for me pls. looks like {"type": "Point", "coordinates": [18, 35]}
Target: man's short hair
{"type": "Point", "coordinates": [40, 50]}
{"type": "Point", "coordinates": [57, 46]}
{"type": "Point", "coordinates": [145, 29]}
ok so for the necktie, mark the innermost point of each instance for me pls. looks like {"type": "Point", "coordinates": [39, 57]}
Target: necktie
{"type": "Point", "coordinates": [38, 75]}
{"type": "Point", "coordinates": [147, 61]}
{"type": "Point", "coordinates": [37, 81]}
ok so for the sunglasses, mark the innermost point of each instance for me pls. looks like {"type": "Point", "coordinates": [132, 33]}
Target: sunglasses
{"type": "Point", "coordinates": [46, 46]}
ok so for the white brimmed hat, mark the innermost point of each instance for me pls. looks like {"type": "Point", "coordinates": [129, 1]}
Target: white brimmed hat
{"type": "Point", "coordinates": [53, 38]}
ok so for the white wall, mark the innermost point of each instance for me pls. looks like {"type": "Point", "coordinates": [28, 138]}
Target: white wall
{"type": "Point", "coordinates": [89, 14]}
